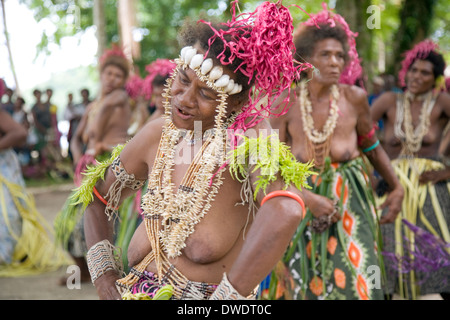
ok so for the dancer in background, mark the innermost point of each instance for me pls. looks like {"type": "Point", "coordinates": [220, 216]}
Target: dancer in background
{"type": "Point", "coordinates": [158, 72]}
{"type": "Point", "coordinates": [329, 123]}
{"type": "Point", "coordinates": [414, 126]}
{"type": "Point", "coordinates": [25, 244]}
{"type": "Point", "coordinates": [103, 126]}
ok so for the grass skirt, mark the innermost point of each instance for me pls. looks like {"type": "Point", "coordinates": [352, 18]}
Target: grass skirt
{"type": "Point", "coordinates": [417, 244]}
{"type": "Point", "coordinates": [26, 245]}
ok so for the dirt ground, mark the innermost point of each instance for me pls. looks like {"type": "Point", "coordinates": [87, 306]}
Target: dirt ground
{"type": "Point", "coordinates": [46, 286]}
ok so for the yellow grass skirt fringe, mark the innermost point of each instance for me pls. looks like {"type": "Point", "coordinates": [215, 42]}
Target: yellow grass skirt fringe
{"type": "Point", "coordinates": [408, 171]}
{"type": "Point", "coordinates": [34, 252]}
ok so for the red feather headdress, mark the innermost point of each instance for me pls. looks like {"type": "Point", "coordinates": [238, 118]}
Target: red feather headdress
{"type": "Point", "coordinates": [263, 40]}
{"type": "Point", "coordinates": [419, 51]}
{"type": "Point", "coordinates": [353, 70]}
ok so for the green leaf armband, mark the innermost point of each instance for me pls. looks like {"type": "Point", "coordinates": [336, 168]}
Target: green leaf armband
{"type": "Point", "coordinates": [84, 193]}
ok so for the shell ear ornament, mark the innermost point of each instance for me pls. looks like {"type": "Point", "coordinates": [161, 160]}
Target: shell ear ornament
{"type": "Point", "coordinates": [316, 72]}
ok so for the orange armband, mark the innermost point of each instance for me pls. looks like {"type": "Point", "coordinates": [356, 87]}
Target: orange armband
{"type": "Point", "coordinates": [99, 196]}
{"type": "Point", "coordinates": [284, 193]}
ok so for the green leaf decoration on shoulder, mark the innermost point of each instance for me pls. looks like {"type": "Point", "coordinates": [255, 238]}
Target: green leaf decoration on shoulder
{"type": "Point", "coordinates": [270, 156]}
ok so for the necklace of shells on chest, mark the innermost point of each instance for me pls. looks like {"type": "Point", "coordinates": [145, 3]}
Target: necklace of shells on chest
{"type": "Point", "coordinates": [319, 141]}
{"type": "Point", "coordinates": [410, 137]}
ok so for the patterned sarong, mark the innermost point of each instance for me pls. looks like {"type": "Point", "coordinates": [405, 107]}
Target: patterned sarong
{"type": "Point", "coordinates": [342, 262]}
{"type": "Point", "coordinates": [25, 244]}
{"type": "Point", "coordinates": [418, 265]}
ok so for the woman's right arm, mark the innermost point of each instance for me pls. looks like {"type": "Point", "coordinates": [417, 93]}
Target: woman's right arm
{"type": "Point", "coordinates": [97, 225]}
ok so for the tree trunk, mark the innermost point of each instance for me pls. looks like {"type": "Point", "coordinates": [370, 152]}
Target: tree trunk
{"type": "Point", "coordinates": [99, 22]}
{"type": "Point", "coordinates": [127, 23]}
{"type": "Point", "coordinates": [8, 45]}
{"type": "Point", "coordinates": [415, 26]}
{"type": "Point", "coordinates": [354, 12]}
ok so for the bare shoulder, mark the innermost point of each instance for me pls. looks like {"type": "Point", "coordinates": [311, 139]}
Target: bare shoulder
{"type": "Point", "coordinates": [354, 94]}
{"type": "Point", "coordinates": [386, 99]}
{"type": "Point", "coordinates": [263, 127]}
{"type": "Point", "coordinates": [118, 97]}
{"type": "Point", "coordinates": [444, 99]}
{"type": "Point", "coordinates": [7, 123]}
{"type": "Point", "coordinates": [282, 107]}
{"type": "Point", "coordinates": [139, 153]}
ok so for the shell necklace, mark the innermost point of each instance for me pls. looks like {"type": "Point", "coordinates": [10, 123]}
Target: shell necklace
{"type": "Point", "coordinates": [411, 138]}
{"type": "Point", "coordinates": [318, 140]}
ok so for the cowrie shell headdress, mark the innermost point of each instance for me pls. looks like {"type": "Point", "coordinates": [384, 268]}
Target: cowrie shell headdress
{"type": "Point", "coordinates": [212, 75]}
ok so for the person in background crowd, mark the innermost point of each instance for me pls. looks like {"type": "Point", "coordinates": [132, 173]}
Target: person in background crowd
{"type": "Point", "coordinates": [8, 106]}
{"type": "Point", "coordinates": [73, 113]}
{"type": "Point", "coordinates": [158, 72]}
{"type": "Point", "coordinates": [42, 122]}
{"type": "Point", "coordinates": [377, 88]}
{"type": "Point", "coordinates": [25, 244]}
{"type": "Point", "coordinates": [21, 117]}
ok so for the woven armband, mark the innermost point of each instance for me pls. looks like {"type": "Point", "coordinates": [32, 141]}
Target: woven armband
{"type": "Point", "coordinates": [123, 179]}
{"type": "Point", "coordinates": [103, 257]}
{"type": "Point", "coordinates": [225, 291]}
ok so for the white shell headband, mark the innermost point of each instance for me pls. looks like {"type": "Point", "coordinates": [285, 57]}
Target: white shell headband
{"type": "Point", "coordinates": [213, 74]}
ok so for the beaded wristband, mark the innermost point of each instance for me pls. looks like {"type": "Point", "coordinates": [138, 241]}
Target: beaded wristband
{"type": "Point", "coordinates": [226, 291]}
{"type": "Point", "coordinates": [372, 147]}
{"type": "Point", "coordinates": [102, 258]}
{"type": "Point", "coordinates": [285, 193]}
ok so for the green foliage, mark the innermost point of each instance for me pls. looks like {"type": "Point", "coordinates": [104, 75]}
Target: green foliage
{"type": "Point", "coordinates": [83, 194]}
{"type": "Point", "coordinates": [270, 157]}
{"type": "Point", "coordinates": [403, 23]}
{"type": "Point", "coordinates": [415, 26]}
{"type": "Point", "coordinates": [160, 22]}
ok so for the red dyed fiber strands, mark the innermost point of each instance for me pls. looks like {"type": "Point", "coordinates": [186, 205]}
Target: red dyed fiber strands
{"type": "Point", "coordinates": [263, 40]}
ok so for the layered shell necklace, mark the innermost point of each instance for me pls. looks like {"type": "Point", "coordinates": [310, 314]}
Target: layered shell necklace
{"type": "Point", "coordinates": [410, 137]}
{"type": "Point", "coordinates": [319, 141]}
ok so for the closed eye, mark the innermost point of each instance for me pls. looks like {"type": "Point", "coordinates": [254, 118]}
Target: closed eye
{"type": "Point", "coordinates": [184, 79]}
{"type": "Point", "coordinates": [207, 94]}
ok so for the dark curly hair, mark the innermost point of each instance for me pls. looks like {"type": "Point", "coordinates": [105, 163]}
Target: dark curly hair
{"type": "Point", "coordinates": [193, 32]}
{"type": "Point", "coordinates": [306, 37]}
{"type": "Point", "coordinates": [160, 80]}
{"type": "Point", "coordinates": [117, 61]}
{"type": "Point", "coordinates": [438, 63]}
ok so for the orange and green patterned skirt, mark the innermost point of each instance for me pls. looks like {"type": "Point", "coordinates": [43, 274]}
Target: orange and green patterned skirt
{"type": "Point", "coordinates": [343, 262]}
